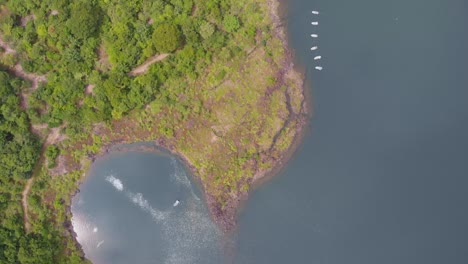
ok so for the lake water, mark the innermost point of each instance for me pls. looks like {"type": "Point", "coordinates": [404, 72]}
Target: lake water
{"type": "Point", "coordinates": [126, 212]}
{"type": "Point", "coordinates": [381, 177]}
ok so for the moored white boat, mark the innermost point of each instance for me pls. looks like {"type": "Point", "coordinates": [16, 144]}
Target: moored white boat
{"type": "Point", "coordinates": [314, 35]}
{"type": "Point", "coordinates": [317, 57]}
{"type": "Point", "coordinates": [319, 68]}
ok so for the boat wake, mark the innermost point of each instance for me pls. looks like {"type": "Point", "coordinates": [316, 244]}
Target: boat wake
{"type": "Point", "coordinates": [187, 231]}
{"type": "Point", "coordinates": [143, 204]}
{"type": "Point", "coordinates": [115, 182]}
{"type": "Point", "coordinates": [137, 199]}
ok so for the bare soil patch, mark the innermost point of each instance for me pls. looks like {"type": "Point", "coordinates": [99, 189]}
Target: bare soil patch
{"type": "Point", "coordinates": [89, 88]}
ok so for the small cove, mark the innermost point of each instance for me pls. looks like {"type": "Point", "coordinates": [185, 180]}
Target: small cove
{"type": "Point", "coordinates": [125, 213]}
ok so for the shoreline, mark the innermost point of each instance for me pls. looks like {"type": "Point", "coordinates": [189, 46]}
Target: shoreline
{"type": "Point", "coordinates": [226, 219]}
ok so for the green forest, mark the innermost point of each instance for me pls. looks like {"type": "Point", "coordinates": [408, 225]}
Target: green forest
{"type": "Point", "coordinates": [78, 75]}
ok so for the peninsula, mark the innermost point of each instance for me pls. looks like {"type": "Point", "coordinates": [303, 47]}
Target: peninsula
{"type": "Point", "coordinates": [212, 81]}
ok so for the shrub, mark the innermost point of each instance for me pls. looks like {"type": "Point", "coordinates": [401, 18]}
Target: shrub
{"type": "Point", "coordinates": [51, 153]}
{"type": "Point", "coordinates": [231, 23]}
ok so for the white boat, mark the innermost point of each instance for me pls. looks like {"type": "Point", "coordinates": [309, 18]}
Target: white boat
{"type": "Point", "coordinates": [314, 48]}
{"type": "Point", "coordinates": [315, 12]}
{"type": "Point", "coordinates": [315, 23]}
{"type": "Point", "coordinates": [319, 68]}
{"type": "Point", "coordinates": [176, 203]}
{"type": "Point", "coordinates": [317, 57]}
{"type": "Point", "coordinates": [314, 35]}
{"type": "Point", "coordinates": [100, 243]}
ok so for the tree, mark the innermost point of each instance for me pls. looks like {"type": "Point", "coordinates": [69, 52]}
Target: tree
{"type": "Point", "coordinates": [84, 19]}
{"type": "Point", "coordinates": [206, 30]}
{"type": "Point", "coordinates": [231, 23]}
{"type": "Point", "coordinates": [167, 38]}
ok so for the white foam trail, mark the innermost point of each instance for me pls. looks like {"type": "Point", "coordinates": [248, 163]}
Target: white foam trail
{"type": "Point", "coordinates": [314, 48]}
{"type": "Point", "coordinates": [319, 68]}
{"type": "Point", "coordinates": [141, 202]}
{"type": "Point", "coordinates": [137, 199]}
{"type": "Point", "coordinates": [100, 243]}
{"type": "Point", "coordinates": [317, 57]}
{"type": "Point", "coordinates": [315, 12]}
{"type": "Point", "coordinates": [314, 35]}
{"type": "Point", "coordinates": [115, 182]}
{"type": "Point", "coordinates": [315, 23]}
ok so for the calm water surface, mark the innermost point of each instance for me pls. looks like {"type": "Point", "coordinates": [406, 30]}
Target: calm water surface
{"type": "Point", "coordinates": [380, 178]}
{"type": "Point", "coordinates": [383, 174]}
{"type": "Point", "coordinates": [126, 213]}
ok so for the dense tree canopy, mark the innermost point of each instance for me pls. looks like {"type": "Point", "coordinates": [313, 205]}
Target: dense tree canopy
{"type": "Point", "coordinates": [84, 19]}
{"type": "Point", "coordinates": [167, 38]}
{"type": "Point", "coordinates": [18, 147]}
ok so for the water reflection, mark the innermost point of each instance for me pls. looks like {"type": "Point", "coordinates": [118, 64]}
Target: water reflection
{"type": "Point", "coordinates": [111, 231]}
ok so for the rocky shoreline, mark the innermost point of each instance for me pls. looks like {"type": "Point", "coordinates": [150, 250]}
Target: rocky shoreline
{"type": "Point", "coordinates": [226, 217]}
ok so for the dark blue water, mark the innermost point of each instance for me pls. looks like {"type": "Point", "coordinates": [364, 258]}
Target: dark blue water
{"type": "Point", "coordinates": [381, 177]}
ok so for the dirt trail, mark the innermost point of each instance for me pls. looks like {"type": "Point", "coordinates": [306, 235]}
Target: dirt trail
{"type": "Point", "coordinates": [144, 67]}
{"type": "Point", "coordinates": [24, 202]}
{"type": "Point", "coordinates": [18, 71]}
{"type": "Point", "coordinates": [53, 137]}
{"type": "Point", "coordinates": [33, 78]}
{"type": "Point", "coordinates": [26, 19]}
{"type": "Point", "coordinates": [6, 47]}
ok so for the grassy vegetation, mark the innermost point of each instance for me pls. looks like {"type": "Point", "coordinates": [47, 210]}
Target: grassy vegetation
{"type": "Point", "coordinates": [218, 100]}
